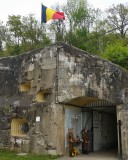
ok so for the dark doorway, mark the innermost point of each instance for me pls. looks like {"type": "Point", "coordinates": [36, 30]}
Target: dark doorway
{"type": "Point", "coordinates": [104, 129]}
{"type": "Point", "coordinates": [101, 123]}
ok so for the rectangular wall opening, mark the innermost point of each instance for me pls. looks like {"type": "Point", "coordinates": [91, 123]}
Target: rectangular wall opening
{"type": "Point", "coordinates": [41, 96]}
{"type": "Point", "coordinates": [25, 86]}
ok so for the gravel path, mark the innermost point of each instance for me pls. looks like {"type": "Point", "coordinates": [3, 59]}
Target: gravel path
{"type": "Point", "coordinates": [94, 156]}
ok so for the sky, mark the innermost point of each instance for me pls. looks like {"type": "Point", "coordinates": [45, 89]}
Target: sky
{"type": "Point", "coordinates": [25, 7]}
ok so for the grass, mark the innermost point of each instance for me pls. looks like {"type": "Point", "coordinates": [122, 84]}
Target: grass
{"type": "Point", "coordinates": [11, 155]}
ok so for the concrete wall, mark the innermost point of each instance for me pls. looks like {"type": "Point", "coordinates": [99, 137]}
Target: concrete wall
{"type": "Point", "coordinates": [82, 74]}
{"type": "Point", "coordinates": [38, 68]}
{"type": "Point", "coordinates": [48, 135]}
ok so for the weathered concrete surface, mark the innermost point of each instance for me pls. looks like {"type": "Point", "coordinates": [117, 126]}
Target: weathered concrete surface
{"type": "Point", "coordinates": [64, 75]}
{"type": "Point", "coordinates": [39, 69]}
{"type": "Point", "coordinates": [122, 114]}
{"type": "Point", "coordinates": [81, 74]}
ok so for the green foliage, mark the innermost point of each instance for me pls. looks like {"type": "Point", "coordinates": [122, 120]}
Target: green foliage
{"type": "Point", "coordinates": [22, 35]}
{"type": "Point", "coordinates": [80, 13]}
{"type": "Point", "coordinates": [79, 17]}
{"type": "Point", "coordinates": [77, 38]}
{"type": "Point", "coordinates": [10, 155]}
{"type": "Point", "coordinates": [117, 53]}
{"type": "Point", "coordinates": [14, 25]}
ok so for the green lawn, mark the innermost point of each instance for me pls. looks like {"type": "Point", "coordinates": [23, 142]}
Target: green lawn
{"type": "Point", "coordinates": [9, 155]}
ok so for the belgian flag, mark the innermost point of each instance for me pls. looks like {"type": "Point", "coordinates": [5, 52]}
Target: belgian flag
{"type": "Point", "coordinates": [48, 14]}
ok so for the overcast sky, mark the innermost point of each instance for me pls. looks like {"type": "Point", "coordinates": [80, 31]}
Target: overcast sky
{"type": "Point", "coordinates": [25, 7]}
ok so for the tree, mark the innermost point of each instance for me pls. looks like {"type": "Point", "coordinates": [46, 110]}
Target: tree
{"type": "Point", "coordinates": [14, 25]}
{"type": "Point", "coordinates": [33, 34]}
{"type": "Point", "coordinates": [14, 35]}
{"type": "Point", "coordinates": [117, 53]}
{"type": "Point", "coordinates": [117, 17]}
{"type": "Point", "coordinates": [24, 34]}
{"type": "Point", "coordinates": [2, 35]}
{"type": "Point", "coordinates": [80, 18]}
{"type": "Point", "coordinates": [79, 14]}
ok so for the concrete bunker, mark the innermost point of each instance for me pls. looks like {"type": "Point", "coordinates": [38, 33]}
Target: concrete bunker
{"type": "Point", "coordinates": [61, 86]}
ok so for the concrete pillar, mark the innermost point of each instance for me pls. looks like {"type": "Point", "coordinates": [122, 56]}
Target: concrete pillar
{"type": "Point", "coordinates": [37, 121]}
{"type": "Point", "coordinates": [122, 115]}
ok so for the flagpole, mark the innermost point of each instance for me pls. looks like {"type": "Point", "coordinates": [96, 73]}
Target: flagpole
{"type": "Point", "coordinates": [41, 13]}
{"type": "Point", "coordinates": [60, 30]}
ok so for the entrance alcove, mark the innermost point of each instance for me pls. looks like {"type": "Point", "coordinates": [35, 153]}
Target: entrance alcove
{"type": "Point", "coordinates": [98, 117]}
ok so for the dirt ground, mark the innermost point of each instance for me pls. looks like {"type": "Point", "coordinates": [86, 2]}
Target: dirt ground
{"type": "Point", "coordinates": [106, 155]}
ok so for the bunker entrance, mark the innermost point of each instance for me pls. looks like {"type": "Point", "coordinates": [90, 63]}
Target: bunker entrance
{"type": "Point", "coordinates": [96, 117]}
{"type": "Point", "coordinates": [100, 120]}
